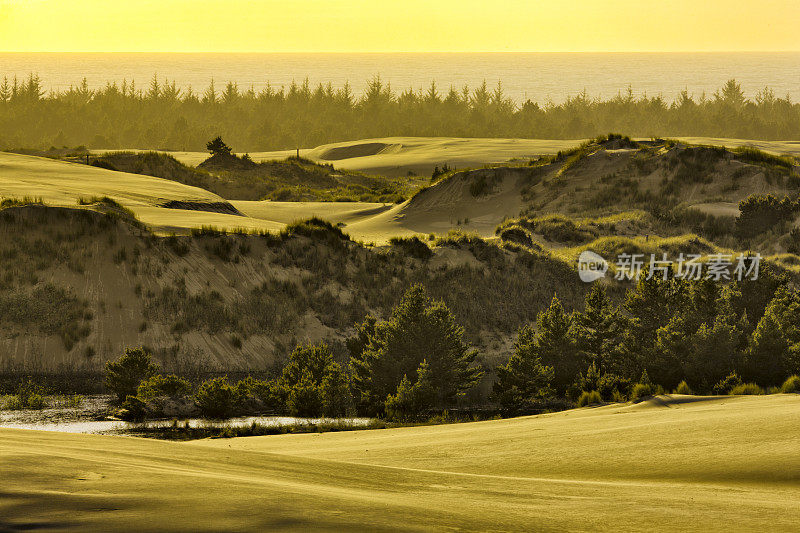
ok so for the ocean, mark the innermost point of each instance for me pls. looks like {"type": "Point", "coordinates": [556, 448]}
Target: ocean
{"type": "Point", "coordinates": [540, 77]}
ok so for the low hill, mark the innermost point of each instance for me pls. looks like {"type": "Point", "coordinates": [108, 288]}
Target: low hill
{"type": "Point", "coordinates": [164, 205]}
{"type": "Point", "coordinates": [399, 156]}
{"type": "Point", "coordinates": [675, 463]}
{"type": "Point", "coordinates": [82, 283]}
{"type": "Point", "coordinates": [241, 178]}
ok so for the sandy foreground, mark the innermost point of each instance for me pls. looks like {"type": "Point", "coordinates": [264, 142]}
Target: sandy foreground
{"type": "Point", "coordinates": [673, 463]}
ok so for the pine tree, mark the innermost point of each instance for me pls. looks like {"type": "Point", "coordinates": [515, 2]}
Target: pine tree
{"type": "Point", "coordinates": [774, 350]}
{"type": "Point", "coordinates": [218, 147]}
{"type": "Point", "coordinates": [523, 379]}
{"type": "Point", "coordinates": [315, 383]}
{"type": "Point", "coordinates": [555, 344]}
{"type": "Point", "coordinates": [598, 331]}
{"type": "Point", "coordinates": [650, 306]}
{"type": "Point", "coordinates": [419, 329]}
{"type": "Point", "coordinates": [124, 375]}
{"type": "Point", "coordinates": [335, 391]}
{"type": "Point", "coordinates": [410, 401]}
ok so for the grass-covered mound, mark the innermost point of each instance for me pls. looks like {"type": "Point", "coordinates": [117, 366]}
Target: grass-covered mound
{"type": "Point", "coordinates": [240, 178]}
{"type": "Point", "coordinates": [252, 297]}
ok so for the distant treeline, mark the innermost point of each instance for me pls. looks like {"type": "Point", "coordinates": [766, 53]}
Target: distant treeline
{"type": "Point", "coordinates": [162, 116]}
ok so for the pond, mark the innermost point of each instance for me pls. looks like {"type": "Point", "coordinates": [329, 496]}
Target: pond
{"type": "Point", "coordinates": [89, 417]}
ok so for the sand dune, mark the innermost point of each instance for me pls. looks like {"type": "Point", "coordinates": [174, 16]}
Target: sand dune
{"type": "Point", "coordinates": [438, 209]}
{"type": "Point", "coordinates": [397, 156]}
{"type": "Point", "coordinates": [61, 183]}
{"type": "Point", "coordinates": [64, 184]}
{"type": "Point", "coordinates": [722, 464]}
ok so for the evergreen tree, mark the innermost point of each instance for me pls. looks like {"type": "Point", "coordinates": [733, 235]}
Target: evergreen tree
{"type": "Point", "coordinates": [775, 347]}
{"type": "Point", "coordinates": [364, 332]}
{"type": "Point", "coordinates": [335, 391]}
{"type": "Point", "coordinates": [305, 397]}
{"type": "Point", "coordinates": [523, 379]}
{"type": "Point", "coordinates": [650, 306]}
{"type": "Point", "coordinates": [124, 375]}
{"type": "Point", "coordinates": [598, 331]}
{"type": "Point", "coordinates": [410, 401]}
{"type": "Point", "coordinates": [218, 147]}
{"type": "Point", "coordinates": [418, 330]}
{"type": "Point", "coordinates": [556, 346]}
{"type": "Point", "coordinates": [315, 383]}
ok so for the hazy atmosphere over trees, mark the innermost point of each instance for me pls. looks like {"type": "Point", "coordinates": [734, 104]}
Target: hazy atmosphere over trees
{"type": "Point", "coordinates": [163, 116]}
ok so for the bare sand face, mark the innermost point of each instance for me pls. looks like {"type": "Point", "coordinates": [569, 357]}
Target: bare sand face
{"type": "Point", "coordinates": [674, 463]}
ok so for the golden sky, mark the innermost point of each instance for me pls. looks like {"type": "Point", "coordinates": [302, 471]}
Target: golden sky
{"type": "Point", "coordinates": [398, 25]}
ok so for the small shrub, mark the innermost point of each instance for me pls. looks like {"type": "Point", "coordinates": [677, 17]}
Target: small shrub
{"type": "Point", "coordinates": [724, 386]}
{"type": "Point", "coordinates": [236, 342]}
{"type": "Point", "coordinates": [516, 235]}
{"type": "Point", "coordinates": [29, 395]}
{"type": "Point", "coordinates": [746, 389]}
{"type": "Point", "coordinates": [124, 375]}
{"type": "Point", "coordinates": [412, 246]}
{"type": "Point", "coordinates": [589, 398]}
{"type": "Point", "coordinates": [683, 388]}
{"type": "Point", "coordinates": [216, 398]}
{"type": "Point", "coordinates": [159, 385]}
{"type": "Point", "coordinates": [792, 384]}
{"type": "Point", "coordinates": [480, 187]}
{"type": "Point", "coordinates": [316, 229]}
{"type": "Point", "coordinates": [178, 245]}
{"type": "Point", "coordinates": [641, 391]}
{"type": "Point", "coordinates": [133, 408]}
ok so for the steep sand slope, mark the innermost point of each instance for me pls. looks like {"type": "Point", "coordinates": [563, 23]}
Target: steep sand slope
{"type": "Point", "coordinates": [724, 464]}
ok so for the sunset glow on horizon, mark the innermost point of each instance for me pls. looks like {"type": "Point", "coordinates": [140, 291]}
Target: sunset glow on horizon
{"type": "Point", "coordinates": [394, 26]}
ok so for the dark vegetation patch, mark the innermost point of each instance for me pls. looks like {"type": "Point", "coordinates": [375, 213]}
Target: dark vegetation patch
{"type": "Point", "coordinates": [211, 207]}
{"type": "Point", "coordinates": [412, 246]}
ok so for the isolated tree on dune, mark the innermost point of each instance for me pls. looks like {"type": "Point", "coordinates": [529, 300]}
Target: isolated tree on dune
{"type": "Point", "coordinates": [418, 330]}
{"type": "Point", "coordinates": [218, 147]}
